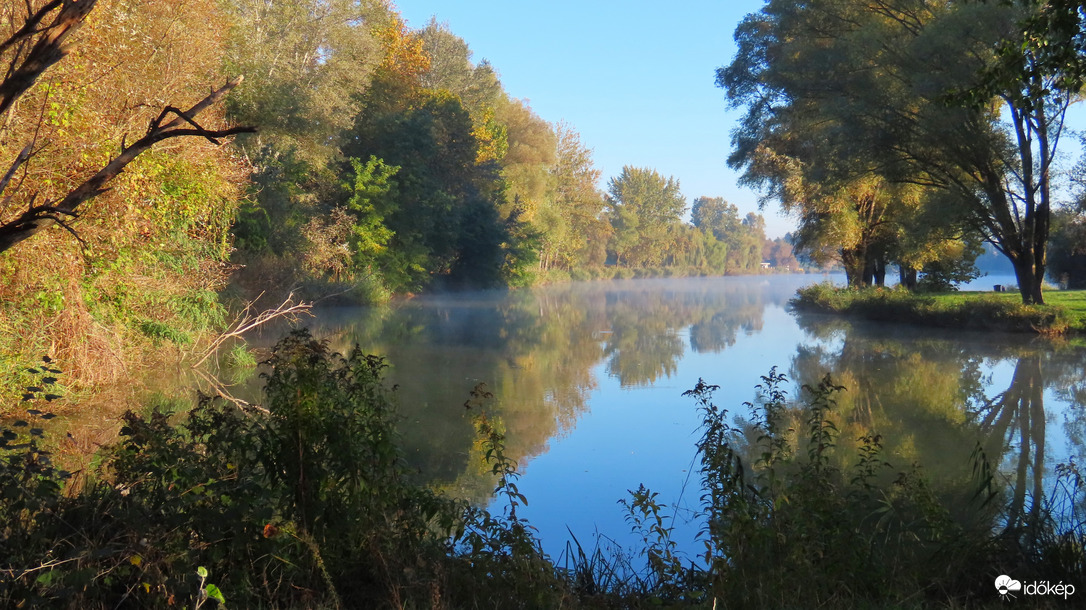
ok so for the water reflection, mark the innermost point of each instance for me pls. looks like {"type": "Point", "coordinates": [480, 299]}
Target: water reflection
{"type": "Point", "coordinates": [587, 381]}
{"type": "Point", "coordinates": [537, 351]}
{"type": "Point", "coordinates": [935, 397]}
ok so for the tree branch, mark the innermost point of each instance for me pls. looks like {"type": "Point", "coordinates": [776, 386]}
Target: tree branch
{"type": "Point", "coordinates": [248, 320]}
{"type": "Point", "coordinates": [48, 50]}
{"type": "Point", "coordinates": [39, 218]}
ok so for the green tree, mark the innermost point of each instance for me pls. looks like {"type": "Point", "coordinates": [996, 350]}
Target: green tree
{"type": "Point", "coordinates": [306, 63]}
{"type": "Point", "coordinates": [372, 200]}
{"type": "Point", "coordinates": [575, 231]}
{"type": "Point", "coordinates": [644, 207]}
{"type": "Point", "coordinates": [842, 91]}
{"type": "Point", "coordinates": [1068, 250]}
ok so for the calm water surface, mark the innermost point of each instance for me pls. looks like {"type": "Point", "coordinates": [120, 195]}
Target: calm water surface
{"type": "Point", "coordinates": [587, 380]}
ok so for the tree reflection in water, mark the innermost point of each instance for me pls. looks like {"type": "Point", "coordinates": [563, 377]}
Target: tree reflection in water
{"type": "Point", "coordinates": [927, 395]}
{"type": "Point", "coordinates": [537, 351]}
{"type": "Point", "coordinates": [546, 354]}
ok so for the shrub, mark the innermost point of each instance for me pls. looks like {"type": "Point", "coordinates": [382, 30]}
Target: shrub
{"type": "Point", "coordinates": [304, 503]}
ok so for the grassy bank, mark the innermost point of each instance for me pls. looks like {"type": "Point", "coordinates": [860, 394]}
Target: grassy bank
{"type": "Point", "coordinates": [1064, 313]}
{"type": "Point", "coordinates": [306, 502]}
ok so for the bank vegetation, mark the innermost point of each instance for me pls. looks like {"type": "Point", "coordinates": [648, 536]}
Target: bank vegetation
{"type": "Point", "coordinates": [1064, 314]}
{"type": "Point", "coordinates": [305, 501]}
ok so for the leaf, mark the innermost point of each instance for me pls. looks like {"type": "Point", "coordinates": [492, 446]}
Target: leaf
{"type": "Point", "coordinates": [201, 572]}
{"type": "Point", "coordinates": [214, 593]}
{"type": "Point", "coordinates": [46, 578]}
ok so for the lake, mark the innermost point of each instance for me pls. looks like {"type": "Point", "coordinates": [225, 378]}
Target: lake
{"type": "Point", "coordinates": [587, 381]}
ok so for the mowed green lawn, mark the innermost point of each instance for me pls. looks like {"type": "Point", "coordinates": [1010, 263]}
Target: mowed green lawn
{"type": "Point", "coordinates": [1064, 311]}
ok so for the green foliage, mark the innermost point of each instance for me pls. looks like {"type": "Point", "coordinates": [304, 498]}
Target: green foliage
{"type": "Point", "coordinates": [644, 206]}
{"type": "Point", "coordinates": [985, 312]}
{"type": "Point", "coordinates": [369, 203]}
{"type": "Point", "coordinates": [794, 523]}
{"type": "Point", "coordinates": [305, 501]}
{"type": "Point", "coordinates": [158, 332]}
{"type": "Point", "coordinates": [1067, 252]}
{"type": "Point", "coordinates": [875, 151]}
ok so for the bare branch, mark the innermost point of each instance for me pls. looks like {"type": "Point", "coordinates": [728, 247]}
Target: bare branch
{"type": "Point", "coordinates": [219, 388]}
{"type": "Point", "coordinates": [30, 27]}
{"type": "Point", "coordinates": [19, 160]}
{"type": "Point", "coordinates": [247, 321]}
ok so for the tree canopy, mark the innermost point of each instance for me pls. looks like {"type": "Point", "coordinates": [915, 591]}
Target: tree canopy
{"type": "Point", "coordinates": [842, 93]}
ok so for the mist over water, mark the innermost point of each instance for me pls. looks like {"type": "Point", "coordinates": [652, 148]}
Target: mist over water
{"type": "Point", "coordinates": [587, 381]}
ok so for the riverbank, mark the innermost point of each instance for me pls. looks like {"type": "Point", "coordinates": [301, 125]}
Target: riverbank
{"type": "Point", "coordinates": [615, 272]}
{"type": "Point", "coordinates": [184, 509]}
{"type": "Point", "coordinates": [1063, 314]}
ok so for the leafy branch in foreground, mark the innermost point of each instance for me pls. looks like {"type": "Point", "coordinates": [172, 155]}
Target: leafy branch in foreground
{"type": "Point", "coordinates": [35, 46]}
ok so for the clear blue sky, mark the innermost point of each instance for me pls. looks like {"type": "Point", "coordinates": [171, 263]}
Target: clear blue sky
{"type": "Point", "coordinates": [634, 78]}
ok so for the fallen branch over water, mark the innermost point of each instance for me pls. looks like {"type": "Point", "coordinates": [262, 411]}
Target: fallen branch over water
{"type": "Point", "coordinates": [248, 320]}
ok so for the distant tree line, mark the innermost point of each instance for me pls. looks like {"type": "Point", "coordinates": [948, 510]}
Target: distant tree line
{"type": "Point", "coordinates": [389, 159]}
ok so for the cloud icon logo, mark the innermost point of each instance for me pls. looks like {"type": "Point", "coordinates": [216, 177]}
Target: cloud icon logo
{"type": "Point", "coordinates": [1005, 585]}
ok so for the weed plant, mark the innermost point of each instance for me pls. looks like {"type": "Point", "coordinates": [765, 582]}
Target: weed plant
{"type": "Point", "coordinates": [306, 502]}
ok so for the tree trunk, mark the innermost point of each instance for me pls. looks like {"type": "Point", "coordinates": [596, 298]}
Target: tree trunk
{"type": "Point", "coordinates": [1029, 285]}
{"type": "Point", "coordinates": [907, 277]}
{"type": "Point", "coordinates": [880, 271]}
{"type": "Point", "coordinates": [853, 261]}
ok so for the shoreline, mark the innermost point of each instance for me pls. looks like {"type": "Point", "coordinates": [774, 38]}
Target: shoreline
{"type": "Point", "coordinates": [1064, 313]}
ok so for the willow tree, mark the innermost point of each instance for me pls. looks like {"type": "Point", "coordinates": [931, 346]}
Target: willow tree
{"type": "Point", "coordinates": [843, 90]}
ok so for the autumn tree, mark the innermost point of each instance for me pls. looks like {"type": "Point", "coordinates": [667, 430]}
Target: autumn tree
{"type": "Point", "coordinates": [575, 231]}
{"type": "Point", "coordinates": [40, 38]}
{"type": "Point", "coordinates": [837, 92]}
{"type": "Point", "coordinates": [644, 209]}
{"type": "Point", "coordinates": [116, 207]}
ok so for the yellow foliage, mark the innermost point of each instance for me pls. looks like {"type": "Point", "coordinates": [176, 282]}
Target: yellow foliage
{"type": "Point", "coordinates": [404, 56]}
{"type": "Point", "coordinates": [77, 295]}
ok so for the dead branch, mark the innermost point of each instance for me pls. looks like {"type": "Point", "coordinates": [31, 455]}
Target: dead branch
{"type": "Point", "coordinates": [247, 320]}
{"type": "Point", "coordinates": [21, 158]}
{"type": "Point", "coordinates": [38, 218]}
